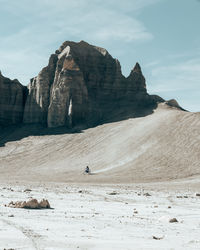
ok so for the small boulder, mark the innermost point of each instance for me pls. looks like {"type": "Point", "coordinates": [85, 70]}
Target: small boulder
{"type": "Point", "coordinates": [44, 204]}
{"type": "Point", "coordinates": [113, 193]}
{"type": "Point", "coordinates": [11, 215]}
{"type": "Point", "coordinates": [173, 220]}
{"type": "Point", "coordinates": [30, 204]}
{"type": "Point", "coordinates": [157, 237]}
{"type": "Point", "coordinates": [27, 190]}
{"type": "Point", "coordinates": [146, 194]}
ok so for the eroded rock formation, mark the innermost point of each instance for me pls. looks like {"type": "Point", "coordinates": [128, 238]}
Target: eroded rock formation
{"type": "Point", "coordinates": [84, 84]}
{"type": "Point", "coordinates": [12, 98]}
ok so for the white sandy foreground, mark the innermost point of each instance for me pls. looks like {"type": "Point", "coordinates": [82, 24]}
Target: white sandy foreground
{"type": "Point", "coordinates": [102, 217]}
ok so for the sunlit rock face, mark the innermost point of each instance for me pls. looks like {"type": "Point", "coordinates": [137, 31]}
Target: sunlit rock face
{"type": "Point", "coordinates": [37, 103]}
{"type": "Point", "coordinates": [12, 98]}
{"type": "Point", "coordinates": [83, 84]}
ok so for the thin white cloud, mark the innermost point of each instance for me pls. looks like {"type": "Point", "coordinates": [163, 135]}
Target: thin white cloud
{"type": "Point", "coordinates": [183, 73]}
{"type": "Point", "coordinates": [180, 80]}
{"type": "Point", "coordinates": [84, 17]}
{"type": "Point", "coordinates": [44, 24]}
{"type": "Point", "coordinates": [152, 64]}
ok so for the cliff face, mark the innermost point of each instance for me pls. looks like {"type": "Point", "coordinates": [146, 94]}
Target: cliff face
{"type": "Point", "coordinates": [37, 103]}
{"type": "Point", "coordinates": [12, 98]}
{"type": "Point", "coordinates": [83, 84]}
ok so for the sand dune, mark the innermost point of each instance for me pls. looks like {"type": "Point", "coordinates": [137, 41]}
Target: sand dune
{"type": "Point", "coordinates": [160, 146]}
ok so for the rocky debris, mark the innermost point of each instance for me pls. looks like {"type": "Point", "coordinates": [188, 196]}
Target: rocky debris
{"type": "Point", "coordinates": [11, 215]}
{"type": "Point", "coordinates": [146, 194]}
{"type": "Point", "coordinates": [182, 196]}
{"type": "Point", "coordinates": [198, 194]}
{"type": "Point", "coordinates": [169, 207]}
{"type": "Point", "coordinates": [135, 211]}
{"type": "Point", "coordinates": [173, 220]}
{"type": "Point", "coordinates": [158, 237]}
{"type": "Point", "coordinates": [31, 204]}
{"type": "Point", "coordinates": [27, 190]}
{"type": "Point", "coordinates": [113, 193]}
{"type": "Point", "coordinates": [12, 98]}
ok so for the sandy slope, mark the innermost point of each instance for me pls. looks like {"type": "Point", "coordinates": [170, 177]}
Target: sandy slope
{"type": "Point", "coordinates": [161, 146]}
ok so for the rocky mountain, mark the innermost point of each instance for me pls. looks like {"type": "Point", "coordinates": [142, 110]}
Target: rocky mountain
{"type": "Point", "coordinates": [82, 84]}
{"type": "Point", "coordinates": [12, 100]}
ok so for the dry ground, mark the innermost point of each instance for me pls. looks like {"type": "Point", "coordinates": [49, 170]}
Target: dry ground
{"type": "Point", "coordinates": [101, 217]}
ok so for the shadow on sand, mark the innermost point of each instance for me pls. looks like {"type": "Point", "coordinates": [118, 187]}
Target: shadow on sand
{"type": "Point", "coordinates": [18, 132]}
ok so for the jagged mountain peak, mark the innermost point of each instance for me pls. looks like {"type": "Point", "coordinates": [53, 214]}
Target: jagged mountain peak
{"type": "Point", "coordinates": [83, 84]}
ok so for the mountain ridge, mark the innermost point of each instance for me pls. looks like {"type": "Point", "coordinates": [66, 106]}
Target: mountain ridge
{"type": "Point", "coordinates": [81, 85]}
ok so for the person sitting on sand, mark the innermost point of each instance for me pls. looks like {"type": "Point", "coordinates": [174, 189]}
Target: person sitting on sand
{"type": "Point", "coordinates": [87, 170]}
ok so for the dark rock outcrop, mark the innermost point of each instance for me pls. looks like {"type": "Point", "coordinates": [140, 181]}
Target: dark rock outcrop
{"type": "Point", "coordinates": [12, 99]}
{"type": "Point", "coordinates": [174, 103]}
{"type": "Point", "coordinates": [83, 84]}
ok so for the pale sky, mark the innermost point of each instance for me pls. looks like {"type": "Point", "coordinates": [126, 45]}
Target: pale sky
{"type": "Point", "coordinates": [162, 35]}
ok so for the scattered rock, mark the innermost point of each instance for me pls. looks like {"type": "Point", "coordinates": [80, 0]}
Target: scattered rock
{"type": "Point", "coordinates": [113, 193]}
{"type": "Point", "coordinates": [157, 238]}
{"type": "Point", "coordinates": [27, 190]}
{"type": "Point", "coordinates": [197, 194]}
{"type": "Point", "coordinates": [146, 194]}
{"type": "Point", "coordinates": [179, 196]}
{"type": "Point", "coordinates": [169, 207]}
{"type": "Point", "coordinates": [173, 220]}
{"type": "Point", "coordinates": [11, 215]}
{"type": "Point", "coordinates": [30, 204]}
